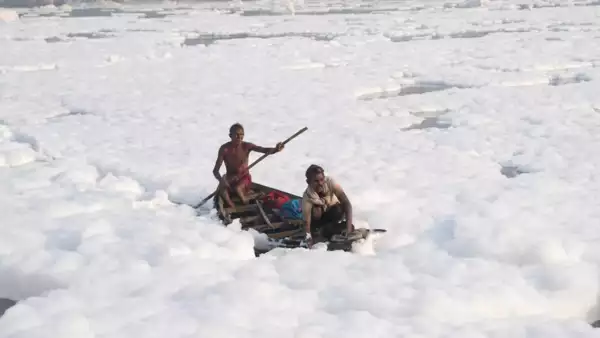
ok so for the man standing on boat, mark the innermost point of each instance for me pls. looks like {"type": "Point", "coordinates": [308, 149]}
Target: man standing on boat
{"type": "Point", "coordinates": [324, 205]}
{"type": "Point", "coordinates": [235, 155]}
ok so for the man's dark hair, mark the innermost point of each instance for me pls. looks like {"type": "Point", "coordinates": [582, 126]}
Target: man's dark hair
{"type": "Point", "coordinates": [234, 127]}
{"type": "Point", "coordinates": [313, 170]}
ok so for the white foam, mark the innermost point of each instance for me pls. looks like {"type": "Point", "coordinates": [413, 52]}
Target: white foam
{"type": "Point", "coordinates": [490, 204]}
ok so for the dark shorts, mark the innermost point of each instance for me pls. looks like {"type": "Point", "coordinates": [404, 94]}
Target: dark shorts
{"type": "Point", "coordinates": [332, 222]}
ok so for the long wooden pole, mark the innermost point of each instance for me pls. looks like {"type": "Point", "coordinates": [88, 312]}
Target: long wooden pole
{"type": "Point", "coordinates": [252, 165]}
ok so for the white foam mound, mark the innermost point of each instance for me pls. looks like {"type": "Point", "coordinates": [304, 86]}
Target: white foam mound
{"type": "Point", "coordinates": [14, 149]}
{"type": "Point", "coordinates": [14, 154]}
{"type": "Point", "coordinates": [79, 227]}
{"type": "Point", "coordinates": [7, 15]}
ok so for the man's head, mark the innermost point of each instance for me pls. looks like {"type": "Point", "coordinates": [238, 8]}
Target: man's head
{"type": "Point", "coordinates": [236, 133]}
{"type": "Point", "coordinates": [315, 177]}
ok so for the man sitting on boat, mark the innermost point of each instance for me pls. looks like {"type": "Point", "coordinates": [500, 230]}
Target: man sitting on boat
{"type": "Point", "coordinates": [325, 205]}
{"type": "Point", "coordinates": [235, 155]}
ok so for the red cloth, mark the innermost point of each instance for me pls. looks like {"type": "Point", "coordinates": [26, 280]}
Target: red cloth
{"type": "Point", "coordinates": [245, 181]}
{"type": "Point", "coordinates": [275, 199]}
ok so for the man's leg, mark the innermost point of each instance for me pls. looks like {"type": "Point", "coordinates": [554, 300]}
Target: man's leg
{"type": "Point", "coordinates": [317, 213]}
{"type": "Point", "coordinates": [240, 191]}
{"type": "Point", "coordinates": [333, 221]}
{"type": "Point", "coordinates": [224, 193]}
{"type": "Point", "coordinates": [316, 216]}
{"type": "Point", "coordinates": [242, 187]}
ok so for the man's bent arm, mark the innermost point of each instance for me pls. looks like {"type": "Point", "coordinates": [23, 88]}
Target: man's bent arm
{"type": "Point", "coordinates": [218, 164]}
{"type": "Point", "coordinates": [341, 195]}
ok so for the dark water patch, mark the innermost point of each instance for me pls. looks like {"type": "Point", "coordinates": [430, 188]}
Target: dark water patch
{"type": "Point", "coordinates": [430, 123]}
{"type": "Point", "coordinates": [512, 171]}
{"type": "Point", "coordinates": [154, 15]}
{"type": "Point", "coordinates": [467, 34]}
{"type": "Point", "coordinates": [142, 30]}
{"type": "Point", "coordinates": [558, 80]}
{"type": "Point", "coordinates": [422, 88]}
{"type": "Point", "coordinates": [55, 39]}
{"type": "Point", "coordinates": [71, 113]}
{"type": "Point", "coordinates": [211, 38]}
{"type": "Point", "coordinates": [411, 89]}
{"type": "Point", "coordinates": [90, 35]}
{"type": "Point", "coordinates": [470, 34]}
{"type": "Point", "coordinates": [92, 12]}
{"type": "Point", "coordinates": [6, 304]}
{"type": "Point", "coordinates": [331, 11]}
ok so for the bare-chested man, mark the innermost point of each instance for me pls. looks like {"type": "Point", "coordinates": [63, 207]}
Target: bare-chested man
{"type": "Point", "coordinates": [235, 155]}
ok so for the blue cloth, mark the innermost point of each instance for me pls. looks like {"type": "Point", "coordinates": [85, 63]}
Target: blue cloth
{"type": "Point", "coordinates": [292, 209]}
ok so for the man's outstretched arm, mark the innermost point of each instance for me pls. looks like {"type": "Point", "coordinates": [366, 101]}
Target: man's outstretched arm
{"type": "Point", "coordinates": [266, 150]}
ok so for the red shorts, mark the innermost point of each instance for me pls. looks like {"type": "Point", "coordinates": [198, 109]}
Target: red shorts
{"type": "Point", "coordinates": [245, 182]}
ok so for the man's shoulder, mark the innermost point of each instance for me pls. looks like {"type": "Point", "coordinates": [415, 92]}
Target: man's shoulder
{"type": "Point", "coordinates": [305, 194]}
{"type": "Point", "coordinates": [332, 183]}
{"type": "Point", "coordinates": [330, 180]}
{"type": "Point", "coordinates": [248, 145]}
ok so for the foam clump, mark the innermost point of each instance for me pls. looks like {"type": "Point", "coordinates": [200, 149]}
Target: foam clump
{"type": "Point", "coordinates": [80, 175]}
{"type": "Point", "coordinates": [13, 154]}
{"type": "Point", "coordinates": [122, 184]}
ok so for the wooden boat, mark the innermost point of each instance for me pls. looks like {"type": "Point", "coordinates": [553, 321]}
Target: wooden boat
{"type": "Point", "coordinates": [263, 218]}
{"type": "Point", "coordinates": [281, 231]}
